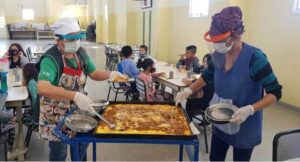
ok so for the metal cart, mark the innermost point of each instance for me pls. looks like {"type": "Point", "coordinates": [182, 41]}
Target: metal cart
{"type": "Point", "coordinates": [191, 144]}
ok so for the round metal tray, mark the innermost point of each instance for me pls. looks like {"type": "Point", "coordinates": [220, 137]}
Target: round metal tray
{"type": "Point", "coordinates": [81, 123]}
{"type": "Point", "coordinates": [220, 113]}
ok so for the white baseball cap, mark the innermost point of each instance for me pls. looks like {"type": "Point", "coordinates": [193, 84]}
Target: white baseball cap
{"type": "Point", "coordinates": [65, 26]}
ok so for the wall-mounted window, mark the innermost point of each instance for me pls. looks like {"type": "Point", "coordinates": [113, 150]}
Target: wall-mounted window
{"type": "Point", "coordinates": [296, 9]}
{"type": "Point", "coordinates": [199, 8]}
{"type": "Point", "coordinates": [27, 14]}
{"type": "Point", "coordinates": [106, 12]}
{"type": "Point", "coordinates": [2, 22]}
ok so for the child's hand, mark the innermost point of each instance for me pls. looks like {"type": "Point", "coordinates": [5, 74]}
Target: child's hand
{"type": "Point", "coordinates": [161, 74]}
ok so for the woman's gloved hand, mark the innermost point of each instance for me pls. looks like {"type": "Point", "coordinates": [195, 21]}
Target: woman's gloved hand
{"type": "Point", "coordinates": [83, 102]}
{"type": "Point", "coordinates": [242, 114]}
{"type": "Point", "coordinates": [181, 96]}
{"type": "Point", "coordinates": [114, 74]}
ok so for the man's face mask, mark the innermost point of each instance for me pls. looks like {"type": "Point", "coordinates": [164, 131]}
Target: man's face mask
{"type": "Point", "coordinates": [72, 47]}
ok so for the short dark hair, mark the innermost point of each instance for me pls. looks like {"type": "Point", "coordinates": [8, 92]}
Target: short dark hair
{"type": "Point", "coordinates": [29, 72]}
{"type": "Point", "coordinates": [146, 63]}
{"type": "Point", "coordinates": [191, 48]}
{"type": "Point", "coordinates": [126, 51]}
{"type": "Point", "coordinates": [144, 47]}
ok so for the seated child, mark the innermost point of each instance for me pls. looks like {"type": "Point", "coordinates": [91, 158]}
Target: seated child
{"type": "Point", "coordinates": [29, 79]}
{"type": "Point", "coordinates": [146, 75]}
{"type": "Point", "coordinates": [190, 61]}
{"type": "Point", "coordinates": [127, 66]}
{"type": "Point", "coordinates": [199, 101]}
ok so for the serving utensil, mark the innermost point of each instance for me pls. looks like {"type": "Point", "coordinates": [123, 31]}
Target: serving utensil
{"type": "Point", "coordinates": [111, 126]}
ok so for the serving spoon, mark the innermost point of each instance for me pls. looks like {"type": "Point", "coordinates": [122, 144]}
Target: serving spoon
{"type": "Point", "coordinates": [111, 126]}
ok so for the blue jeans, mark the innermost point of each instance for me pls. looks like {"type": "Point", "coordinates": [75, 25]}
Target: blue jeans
{"type": "Point", "coordinates": [58, 151]}
{"type": "Point", "coordinates": [219, 150]}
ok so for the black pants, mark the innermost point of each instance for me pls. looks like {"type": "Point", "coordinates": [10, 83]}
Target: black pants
{"type": "Point", "coordinates": [219, 150]}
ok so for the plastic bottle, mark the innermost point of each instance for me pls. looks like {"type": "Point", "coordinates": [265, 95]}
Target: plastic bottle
{"type": "Point", "coordinates": [3, 77]}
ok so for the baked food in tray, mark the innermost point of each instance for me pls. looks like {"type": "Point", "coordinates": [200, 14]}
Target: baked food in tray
{"type": "Point", "coordinates": [145, 119]}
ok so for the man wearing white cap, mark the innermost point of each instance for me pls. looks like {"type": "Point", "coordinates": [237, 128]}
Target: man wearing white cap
{"type": "Point", "coordinates": [63, 71]}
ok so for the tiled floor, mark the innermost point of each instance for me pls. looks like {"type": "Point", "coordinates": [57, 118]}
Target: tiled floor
{"type": "Point", "coordinates": [276, 119]}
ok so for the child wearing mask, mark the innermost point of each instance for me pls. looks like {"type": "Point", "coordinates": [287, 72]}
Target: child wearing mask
{"type": "Point", "coordinates": [17, 56]}
{"type": "Point", "coordinates": [143, 54]}
{"type": "Point", "coordinates": [146, 75]}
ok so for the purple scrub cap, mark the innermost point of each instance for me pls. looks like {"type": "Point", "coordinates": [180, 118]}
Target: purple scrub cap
{"type": "Point", "coordinates": [228, 20]}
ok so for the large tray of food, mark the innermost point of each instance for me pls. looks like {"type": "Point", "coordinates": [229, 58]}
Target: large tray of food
{"type": "Point", "coordinates": [145, 120]}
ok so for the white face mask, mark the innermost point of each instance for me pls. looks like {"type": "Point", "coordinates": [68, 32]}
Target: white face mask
{"type": "Point", "coordinates": [222, 48]}
{"type": "Point", "coordinates": [72, 47]}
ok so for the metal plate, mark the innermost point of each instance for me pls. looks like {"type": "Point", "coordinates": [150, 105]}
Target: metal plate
{"type": "Point", "coordinates": [220, 113]}
{"type": "Point", "coordinates": [99, 105]}
{"type": "Point", "coordinates": [81, 123]}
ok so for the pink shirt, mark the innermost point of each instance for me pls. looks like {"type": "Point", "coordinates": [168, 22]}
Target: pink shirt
{"type": "Point", "coordinates": [147, 78]}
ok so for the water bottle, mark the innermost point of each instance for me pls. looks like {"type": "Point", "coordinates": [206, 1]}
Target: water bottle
{"type": "Point", "coordinates": [3, 85]}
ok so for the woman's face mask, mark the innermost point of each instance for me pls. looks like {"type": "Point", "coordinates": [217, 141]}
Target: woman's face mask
{"type": "Point", "coordinates": [72, 47]}
{"type": "Point", "coordinates": [222, 48]}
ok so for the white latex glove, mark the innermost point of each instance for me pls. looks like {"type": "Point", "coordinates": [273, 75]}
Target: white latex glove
{"type": "Point", "coordinates": [181, 96]}
{"type": "Point", "coordinates": [83, 102]}
{"type": "Point", "coordinates": [242, 114]}
{"type": "Point", "coordinates": [114, 74]}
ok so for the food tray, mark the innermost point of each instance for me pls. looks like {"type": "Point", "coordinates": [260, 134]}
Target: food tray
{"type": "Point", "coordinates": [147, 136]}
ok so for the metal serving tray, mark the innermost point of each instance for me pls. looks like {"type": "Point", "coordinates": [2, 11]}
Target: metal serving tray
{"type": "Point", "coordinates": [147, 136]}
{"type": "Point", "coordinates": [220, 113]}
{"type": "Point", "coordinates": [81, 123]}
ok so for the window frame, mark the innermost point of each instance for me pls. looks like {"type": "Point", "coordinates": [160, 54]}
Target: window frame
{"type": "Point", "coordinates": [296, 8]}
{"type": "Point", "coordinates": [199, 13]}
{"type": "Point", "coordinates": [29, 15]}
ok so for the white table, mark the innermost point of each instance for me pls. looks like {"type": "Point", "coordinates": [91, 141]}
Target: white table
{"type": "Point", "coordinates": [176, 83]}
{"type": "Point", "coordinates": [16, 95]}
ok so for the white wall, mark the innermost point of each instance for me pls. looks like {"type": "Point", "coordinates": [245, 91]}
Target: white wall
{"type": "Point", "coordinates": [13, 8]}
{"type": "Point", "coordinates": [2, 30]}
